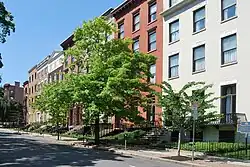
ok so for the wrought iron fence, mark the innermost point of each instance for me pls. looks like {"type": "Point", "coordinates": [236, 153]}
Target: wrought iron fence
{"type": "Point", "coordinates": [222, 149]}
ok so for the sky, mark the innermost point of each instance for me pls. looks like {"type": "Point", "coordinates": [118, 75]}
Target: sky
{"type": "Point", "coordinates": [41, 25]}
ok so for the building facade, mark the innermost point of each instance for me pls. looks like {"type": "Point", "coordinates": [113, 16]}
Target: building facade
{"type": "Point", "coordinates": [76, 115]}
{"type": "Point", "coordinates": [13, 92]}
{"type": "Point", "coordinates": [25, 101]}
{"type": "Point", "coordinates": [32, 93]}
{"type": "Point", "coordinates": [206, 40]}
{"type": "Point", "coordinates": [42, 78]}
{"type": "Point", "coordinates": [55, 66]}
{"type": "Point", "coordinates": [141, 21]}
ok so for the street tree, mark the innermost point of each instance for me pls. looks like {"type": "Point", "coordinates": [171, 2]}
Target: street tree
{"type": "Point", "coordinates": [6, 25]}
{"type": "Point", "coordinates": [55, 99]}
{"type": "Point", "coordinates": [177, 109]}
{"type": "Point", "coordinates": [110, 77]}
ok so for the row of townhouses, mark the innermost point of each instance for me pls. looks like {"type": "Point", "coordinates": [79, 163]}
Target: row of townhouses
{"type": "Point", "coordinates": [193, 40]}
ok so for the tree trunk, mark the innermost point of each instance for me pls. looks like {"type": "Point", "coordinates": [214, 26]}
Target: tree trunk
{"type": "Point", "coordinates": [179, 143]}
{"type": "Point", "coordinates": [58, 133]}
{"type": "Point", "coordinates": [97, 130]}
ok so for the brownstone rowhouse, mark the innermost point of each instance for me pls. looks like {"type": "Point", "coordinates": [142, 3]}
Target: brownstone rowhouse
{"type": "Point", "coordinates": [141, 21]}
{"type": "Point", "coordinates": [75, 114]}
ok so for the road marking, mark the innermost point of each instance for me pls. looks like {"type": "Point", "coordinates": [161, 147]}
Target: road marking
{"type": "Point", "coordinates": [131, 166]}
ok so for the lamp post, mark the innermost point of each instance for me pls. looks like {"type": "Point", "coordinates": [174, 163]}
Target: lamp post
{"type": "Point", "coordinates": [195, 117]}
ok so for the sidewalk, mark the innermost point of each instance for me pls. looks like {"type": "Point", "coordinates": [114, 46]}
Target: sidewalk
{"type": "Point", "coordinates": [163, 155]}
{"type": "Point", "coordinates": [185, 159]}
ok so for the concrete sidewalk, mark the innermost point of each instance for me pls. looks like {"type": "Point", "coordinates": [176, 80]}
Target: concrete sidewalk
{"type": "Point", "coordinates": [169, 155]}
{"type": "Point", "coordinates": [163, 155]}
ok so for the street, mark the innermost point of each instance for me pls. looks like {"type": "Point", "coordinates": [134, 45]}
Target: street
{"type": "Point", "coordinates": [29, 151]}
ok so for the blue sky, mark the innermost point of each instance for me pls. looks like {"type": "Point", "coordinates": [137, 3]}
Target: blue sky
{"type": "Point", "coordinates": [41, 25]}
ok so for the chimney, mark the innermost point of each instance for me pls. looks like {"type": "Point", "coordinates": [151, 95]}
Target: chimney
{"type": "Point", "coordinates": [17, 84]}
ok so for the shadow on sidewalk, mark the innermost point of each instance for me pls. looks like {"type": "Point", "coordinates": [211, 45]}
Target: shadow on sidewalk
{"type": "Point", "coordinates": [17, 151]}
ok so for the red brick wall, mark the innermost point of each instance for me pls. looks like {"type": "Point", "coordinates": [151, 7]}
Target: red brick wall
{"type": "Point", "coordinates": [126, 16]}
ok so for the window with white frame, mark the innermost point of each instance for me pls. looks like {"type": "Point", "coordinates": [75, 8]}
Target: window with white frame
{"type": "Point", "coordinates": [136, 21]}
{"type": "Point", "coordinates": [199, 19]}
{"type": "Point", "coordinates": [199, 58]}
{"type": "Point", "coordinates": [152, 40]}
{"type": "Point", "coordinates": [121, 30]}
{"type": "Point", "coordinates": [152, 12]}
{"type": "Point", "coordinates": [229, 49]}
{"type": "Point", "coordinates": [136, 45]}
{"type": "Point", "coordinates": [173, 2]}
{"type": "Point", "coordinates": [174, 31]}
{"type": "Point", "coordinates": [153, 73]}
{"type": "Point", "coordinates": [174, 66]}
{"type": "Point", "coordinates": [228, 9]}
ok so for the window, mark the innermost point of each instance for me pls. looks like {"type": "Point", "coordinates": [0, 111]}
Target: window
{"type": "Point", "coordinates": [35, 75]}
{"type": "Point", "coordinates": [32, 78]}
{"type": "Point", "coordinates": [173, 2]}
{"type": "Point", "coordinates": [152, 12]}
{"type": "Point", "coordinates": [199, 58]}
{"type": "Point", "coordinates": [35, 88]}
{"type": "Point", "coordinates": [229, 49]}
{"type": "Point", "coordinates": [136, 21]}
{"type": "Point", "coordinates": [228, 9]}
{"type": "Point", "coordinates": [32, 91]}
{"type": "Point", "coordinates": [199, 19]}
{"type": "Point", "coordinates": [152, 40]}
{"type": "Point", "coordinates": [136, 45]}
{"type": "Point", "coordinates": [29, 79]}
{"type": "Point", "coordinates": [228, 102]}
{"type": "Point", "coordinates": [121, 31]}
{"type": "Point", "coordinates": [174, 66]}
{"type": "Point", "coordinates": [29, 91]}
{"type": "Point", "coordinates": [174, 31]}
{"type": "Point", "coordinates": [153, 73]}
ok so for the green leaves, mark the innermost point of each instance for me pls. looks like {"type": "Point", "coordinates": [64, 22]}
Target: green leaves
{"type": "Point", "coordinates": [177, 105]}
{"type": "Point", "coordinates": [6, 23]}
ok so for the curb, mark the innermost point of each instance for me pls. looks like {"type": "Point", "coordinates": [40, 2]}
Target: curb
{"type": "Point", "coordinates": [149, 157]}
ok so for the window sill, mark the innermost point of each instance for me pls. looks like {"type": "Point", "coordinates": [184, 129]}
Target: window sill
{"type": "Point", "coordinates": [172, 78]}
{"type": "Point", "coordinates": [171, 43]}
{"type": "Point", "coordinates": [229, 64]}
{"type": "Point", "coordinates": [231, 18]}
{"type": "Point", "coordinates": [135, 31]}
{"type": "Point", "coordinates": [197, 72]}
{"type": "Point", "coordinates": [197, 32]}
{"type": "Point", "coordinates": [149, 23]}
{"type": "Point", "coordinates": [152, 51]}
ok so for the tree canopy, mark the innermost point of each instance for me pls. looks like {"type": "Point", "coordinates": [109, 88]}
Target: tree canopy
{"type": "Point", "coordinates": [177, 110]}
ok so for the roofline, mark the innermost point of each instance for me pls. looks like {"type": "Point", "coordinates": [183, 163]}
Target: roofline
{"type": "Point", "coordinates": [66, 40]}
{"type": "Point", "coordinates": [107, 12]}
{"type": "Point", "coordinates": [120, 7]}
{"type": "Point", "coordinates": [43, 63]}
{"type": "Point", "coordinates": [32, 68]}
{"type": "Point", "coordinates": [176, 7]}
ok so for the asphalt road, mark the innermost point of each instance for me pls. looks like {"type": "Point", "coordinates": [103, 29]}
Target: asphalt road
{"type": "Point", "coordinates": [27, 151]}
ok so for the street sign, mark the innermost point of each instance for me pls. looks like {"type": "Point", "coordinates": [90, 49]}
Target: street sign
{"type": "Point", "coordinates": [244, 127]}
{"type": "Point", "coordinates": [195, 111]}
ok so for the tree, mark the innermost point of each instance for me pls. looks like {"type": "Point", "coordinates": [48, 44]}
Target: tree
{"type": "Point", "coordinates": [114, 77]}
{"type": "Point", "coordinates": [55, 100]}
{"type": "Point", "coordinates": [6, 23]}
{"type": "Point", "coordinates": [6, 26]}
{"type": "Point", "coordinates": [177, 106]}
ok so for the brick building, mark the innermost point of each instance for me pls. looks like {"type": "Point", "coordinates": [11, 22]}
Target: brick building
{"type": "Point", "coordinates": [14, 94]}
{"type": "Point", "coordinates": [25, 101]}
{"type": "Point", "coordinates": [32, 93]}
{"type": "Point", "coordinates": [141, 21]}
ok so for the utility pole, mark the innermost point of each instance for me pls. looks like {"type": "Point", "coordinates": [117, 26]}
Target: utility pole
{"type": "Point", "coordinates": [195, 117]}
